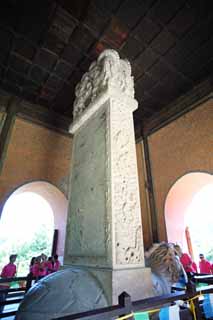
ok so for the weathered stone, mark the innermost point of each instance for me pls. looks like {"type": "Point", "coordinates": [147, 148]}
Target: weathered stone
{"type": "Point", "coordinates": [104, 232]}
{"type": "Point", "coordinates": [60, 294]}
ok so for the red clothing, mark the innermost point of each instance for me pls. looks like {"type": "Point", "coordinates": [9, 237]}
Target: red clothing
{"type": "Point", "coordinates": [57, 265]}
{"type": "Point", "coordinates": [8, 271]}
{"type": "Point", "coordinates": [205, 266]}
{"type": "Point", "coordinates": [187, 263]}
{"type": "Point", "coordinates": [35, 269]}
{"type": "Point", "coordinates": [194, 266]}
{"type": "Point", "coordinates": [50, 268]}
{"type": "Point", "coordinates": [43, 268]}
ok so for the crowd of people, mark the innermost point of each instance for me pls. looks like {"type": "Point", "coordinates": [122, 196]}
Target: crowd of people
{"type": "Point", "coordinates": [189, 265]}
{"type": "Point", "coordinates": [39, 266]}
{"type": "Point", "coordinates": [42, 266]}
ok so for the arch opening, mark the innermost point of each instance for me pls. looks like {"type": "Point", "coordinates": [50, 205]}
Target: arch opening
{"type": "Point", "coordinates": [199, 219]}
{"type": "Point", "coordinates": [189, 213]}
{"type": "Point", "coordinates": [29, 218]}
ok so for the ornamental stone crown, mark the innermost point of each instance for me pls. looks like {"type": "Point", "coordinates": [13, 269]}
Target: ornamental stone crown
{"type": "Point", "coordinates": [108, 72]}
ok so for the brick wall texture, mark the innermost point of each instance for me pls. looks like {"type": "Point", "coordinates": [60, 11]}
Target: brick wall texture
{"type": "Point", "coordinates": [183, 146]}
{"type": "Point", "coordinates": [34, 153]}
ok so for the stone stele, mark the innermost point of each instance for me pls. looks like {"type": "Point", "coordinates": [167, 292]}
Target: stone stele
{"type": "Point", "coordinates": [104, 231]}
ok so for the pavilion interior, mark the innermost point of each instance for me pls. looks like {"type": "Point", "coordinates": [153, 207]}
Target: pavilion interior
{"type": "Point", "coordinates": [47, 46]}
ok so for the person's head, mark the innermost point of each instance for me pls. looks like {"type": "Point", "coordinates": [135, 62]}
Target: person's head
{"type": "Point", "coordinates": [56, 257]}
{"type": "Point", "coordinates": [32, 261]}
{"type": "Point", "coordinates": [178, 250]}
{"type": "Point", "coordinates": [13, 258]}
{"type": "Point", "coordinates": [201, 256]}
{"type": "Point", "coordinates": [38, 259]}
{"type": "Point", "coordinates": [43, 257]}
{"type": "Point", "coordinates": [50, 259]}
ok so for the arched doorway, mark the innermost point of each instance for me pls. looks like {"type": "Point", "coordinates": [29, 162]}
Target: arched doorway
{"type": "Point", "coordinates": [199, 219]}
{"type": "Point", "coordinates": [186, 209]}
{"type": "Point", "coordinates": [38, 208]}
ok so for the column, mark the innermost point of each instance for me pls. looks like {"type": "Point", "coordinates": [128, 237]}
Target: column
{"type": "Point", "coordinates": [104, 230]}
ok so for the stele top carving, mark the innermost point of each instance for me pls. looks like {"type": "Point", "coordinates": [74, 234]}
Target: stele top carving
{"type": "Point", "coordinates": [109, 71]}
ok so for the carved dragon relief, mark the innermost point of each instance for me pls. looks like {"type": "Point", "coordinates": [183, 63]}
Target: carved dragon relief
{"type": "Point", "coordinates": [109, 71]}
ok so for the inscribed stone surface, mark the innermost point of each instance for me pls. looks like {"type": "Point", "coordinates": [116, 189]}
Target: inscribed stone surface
{"type": "Point", "coordinates": [87, 199]}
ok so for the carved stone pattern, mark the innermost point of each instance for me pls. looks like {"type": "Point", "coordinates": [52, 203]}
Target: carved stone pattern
{"type": "Point", "coordinates": [109, 71]}
{"type": "Point", "coordinates": [126, 203]}
{"type": "Point", "coordinates": [108, 222]}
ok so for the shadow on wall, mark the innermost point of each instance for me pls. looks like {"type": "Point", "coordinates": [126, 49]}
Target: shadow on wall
{"type": "Point", "coordinates": [58, 203]}
{"type": "Point", "coordinates": [177, 202]}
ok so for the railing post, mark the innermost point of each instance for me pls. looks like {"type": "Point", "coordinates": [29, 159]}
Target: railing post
{"type": "Point", "coordinates": [125, 301]}
{"type": "Point", "coordinates": [191, 290]}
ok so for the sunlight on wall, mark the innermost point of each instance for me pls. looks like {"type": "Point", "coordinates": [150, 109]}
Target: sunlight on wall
{"type": "Point", "coordinates": [58, 203]}
{"type": "Point", "coordinates": [199, 219]}
{"type": "Point", "coordinates": [23, 214]}
{"type": "Point", "coordinates": [179, 199]}
{"type": "Point", "coordinates": [26, 228]}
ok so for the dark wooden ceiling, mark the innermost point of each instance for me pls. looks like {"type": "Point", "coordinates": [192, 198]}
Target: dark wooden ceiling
{"type": "Point", "coordinates": [46, 46]}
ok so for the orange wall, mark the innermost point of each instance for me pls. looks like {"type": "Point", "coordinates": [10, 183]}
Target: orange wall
{"type": "Point", "coordinates": [183, 146]}
{"type": "Point", "coordinates": [34, 153]}
{"type": "Point", "coordinates": [37, 153]}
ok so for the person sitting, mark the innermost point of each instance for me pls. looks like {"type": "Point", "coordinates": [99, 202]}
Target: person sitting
{"type": "Point", "coordinates": [186, 260]}
{"type": "Point", "coordinates": [56, 263]}
{"type": "Point", "coordinates": [204, 265]}
{"type": "Point", "coordinates": [8, 271]}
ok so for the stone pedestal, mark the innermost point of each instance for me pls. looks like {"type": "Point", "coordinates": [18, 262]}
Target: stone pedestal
{"type": "Point", "coordinates": [104, 231]}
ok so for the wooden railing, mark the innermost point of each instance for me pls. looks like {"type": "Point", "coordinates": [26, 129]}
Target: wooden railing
{"type": "Point", "coordinates": [125, 305]}
{"type": "Point", "coordinates": [15, 295]}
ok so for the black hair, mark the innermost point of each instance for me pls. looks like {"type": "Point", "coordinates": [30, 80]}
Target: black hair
{"type": "Point", "coordinates": [32, 261]}
{"type": "Point", "coordinates": [12, 256]}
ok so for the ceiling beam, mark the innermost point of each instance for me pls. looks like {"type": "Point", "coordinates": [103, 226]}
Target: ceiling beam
{"type": "Point", "coordinates": [37, 114]}
{"type": "Point", "coordinates": [7, 130]}
{"type": "Point", "coordinates": [192, 99]}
